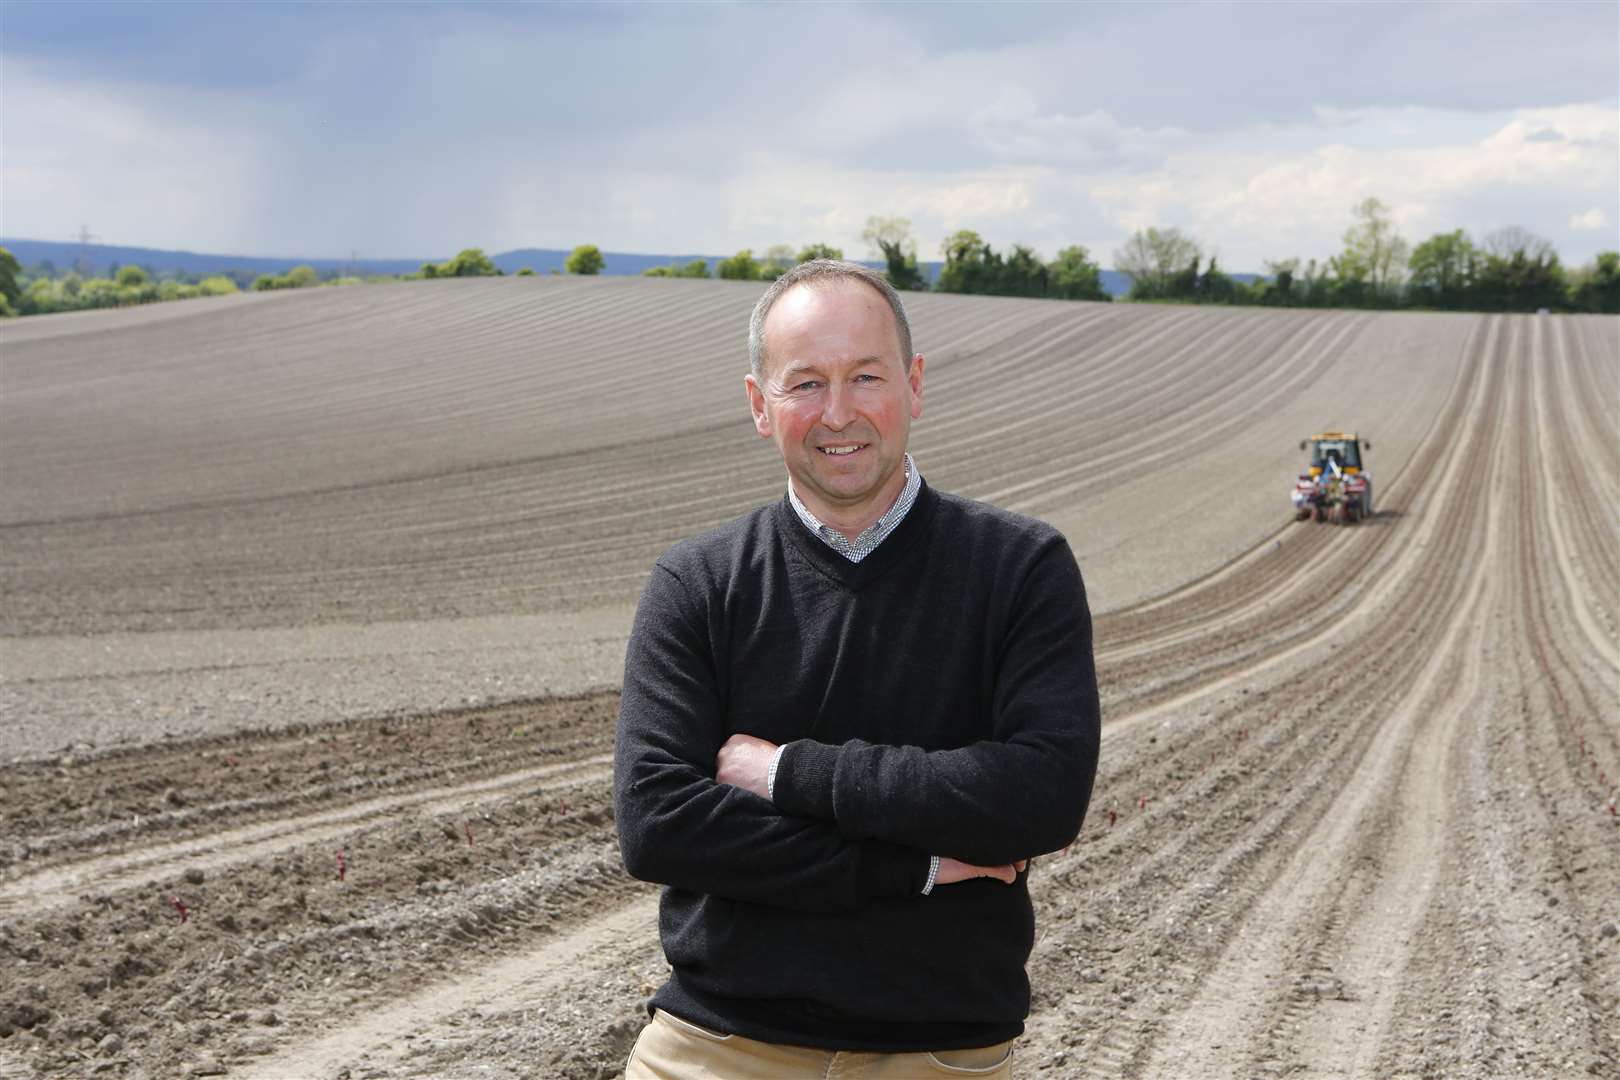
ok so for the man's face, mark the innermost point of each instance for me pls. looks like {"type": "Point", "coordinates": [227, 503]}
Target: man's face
{"type": "Point", "coordinates": [837, 398]}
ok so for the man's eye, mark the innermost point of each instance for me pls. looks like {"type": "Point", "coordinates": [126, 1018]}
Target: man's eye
{"type": "Point", "coordinates": [867, 378]}
{"type": "Point", "coordinates": [810, 385]}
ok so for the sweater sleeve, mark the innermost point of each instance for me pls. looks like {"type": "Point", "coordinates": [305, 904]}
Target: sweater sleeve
{"type": "Point", "coordinates": [679, 827]}
{"type": "Point", "coordinates": [1021, 793]}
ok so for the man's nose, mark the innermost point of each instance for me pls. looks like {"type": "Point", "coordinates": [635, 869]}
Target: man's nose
{"type": "Point", "coordinates": [839, 409]}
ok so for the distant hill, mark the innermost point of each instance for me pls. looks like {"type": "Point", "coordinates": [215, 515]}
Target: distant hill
{"type": "Point", "coordinates": [101, 259]}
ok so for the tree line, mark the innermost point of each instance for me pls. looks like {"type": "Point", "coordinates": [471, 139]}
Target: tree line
{"type": "Point", "coordinates": [39, 291]}
{"type": "Point", "coordinates": [971, 265]}
{"type": "Point", "coordinates": [1511, 269]}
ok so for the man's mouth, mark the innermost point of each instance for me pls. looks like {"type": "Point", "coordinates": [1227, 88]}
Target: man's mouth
{"type": "Point", "coordinates": [840, 451]}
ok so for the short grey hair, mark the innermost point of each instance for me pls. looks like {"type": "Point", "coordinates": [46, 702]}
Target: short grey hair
{"type": "Point", "coordinates": [815, 273]}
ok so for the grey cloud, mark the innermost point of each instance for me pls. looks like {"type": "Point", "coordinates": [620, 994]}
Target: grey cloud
{"type": "Point", "coordinates": [411, 130]}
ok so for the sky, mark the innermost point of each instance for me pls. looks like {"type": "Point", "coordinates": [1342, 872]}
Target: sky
{"type": "Point", "coordinates": [415, 130]}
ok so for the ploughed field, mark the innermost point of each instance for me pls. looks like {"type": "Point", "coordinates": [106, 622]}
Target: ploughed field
{"type": "Point", "coordinates": [347, 573]}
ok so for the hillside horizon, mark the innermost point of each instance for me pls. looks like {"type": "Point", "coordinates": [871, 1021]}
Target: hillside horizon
{"type": "Point", "coordinates": [101, 259]}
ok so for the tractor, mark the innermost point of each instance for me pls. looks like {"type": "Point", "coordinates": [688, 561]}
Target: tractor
{"type": "Point", "coordinates": [1335, 486]}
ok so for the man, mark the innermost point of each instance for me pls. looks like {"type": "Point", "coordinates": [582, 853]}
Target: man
{"type": "Point", "coordinates": [848, 720]}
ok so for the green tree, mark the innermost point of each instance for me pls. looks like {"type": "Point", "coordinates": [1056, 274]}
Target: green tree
{"type": "Point", "coordinates": [216, 285]}
{"type": "Point", "coordinates": [1520, 272]}
{"type": "Point", "coordinates": [9, 269]}
{"type": "Point", "coordinates": [1160, 263]}
{"type": "Point", "coordinates": [301, 277]}
{"type": "Point", "coordinates": [1215, 286]}
{"type": "Point", "coordinates": [470, 262]}
{"type": "Point", "coordinates": [1279, 290]}
{"type": "Point", "coordinates": [697, 268]}
{"type": "Point", "coordinates": [525, 271]}
{"type": "Point", "coordinates": [892, 239]}
{"type": "Point", "coordinates": [100, 293]}
{"type": "Point", "coordinates": [39, 298]}
{"type": "Point", "coordinates": [970, 266]}
{"type": "Point", "coordinates": [267, 282]}
{"type": "Point", "coordinates": [131, 276]}
{"type": "Point", "coordinates": [740, 267]}
{"type": "Point", "coordinates": [585, 259]}
{"type": "Point", "coordinates": [1074, 276]}
{"type": "Point", "coordinates": [1369, 269]}
{"type": "Point", "coordinates": [1442, 270]}
{"type": "Point", "coordinates": [819, 251]}
{"type": "Point", "coordinates": [778, 261]}
{"type": "Point", "coordinates": [1597, 287]}
{"type": "Point", "coordinates": [1021, 274]}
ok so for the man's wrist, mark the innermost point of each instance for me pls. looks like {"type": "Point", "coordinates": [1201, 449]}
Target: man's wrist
{"type": "Point", "coordinates": [770, 773]}
{"type": "Point", "coordinates": [804, 779]}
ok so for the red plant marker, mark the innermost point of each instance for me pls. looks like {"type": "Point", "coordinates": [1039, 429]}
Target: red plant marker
{"type": "Point", "coordinates": [343, 867]}
{"type": "Point", "coordinates": [180, 905]}
{"type": "Point", "coordinates": [1141, 804]}
{"type": "Point", "coordinates": [1111, 816]}
{"type": "Point", "coordinates": [467, 825]}
{"type": "Point", "coordinates": [562, 804]}
{"type": "Point", "coordinates": [231, 761]}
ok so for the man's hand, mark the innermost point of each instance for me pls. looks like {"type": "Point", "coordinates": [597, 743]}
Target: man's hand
{"type": "Point", "coordinates": [953, 870]}
{"type": "Point", "coordinates": [744, 762]}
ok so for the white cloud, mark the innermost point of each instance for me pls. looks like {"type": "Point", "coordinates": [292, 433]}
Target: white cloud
{"type": "Point", "coordinates": [1254, 203]}
{"type": "Point", "coordinates": [1592, 219]}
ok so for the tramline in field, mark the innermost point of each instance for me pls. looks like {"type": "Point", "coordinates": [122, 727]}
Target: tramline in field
{"type": "Point", "coordinates": [1336, 487]}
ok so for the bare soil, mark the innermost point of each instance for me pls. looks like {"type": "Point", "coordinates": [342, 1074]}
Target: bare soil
{"type": "Point", "coordinates": [1356, 813]}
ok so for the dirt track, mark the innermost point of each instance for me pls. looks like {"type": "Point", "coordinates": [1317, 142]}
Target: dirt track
{"type": "Point", "coordinates": [1356, 815]}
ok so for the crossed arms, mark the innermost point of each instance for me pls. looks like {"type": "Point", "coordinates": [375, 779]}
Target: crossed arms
{"type": "Point", "coordinates": [854, 822]}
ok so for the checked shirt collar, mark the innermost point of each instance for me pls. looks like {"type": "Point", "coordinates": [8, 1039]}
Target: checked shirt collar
{"type": "Point", "coordinates": [863, 545]}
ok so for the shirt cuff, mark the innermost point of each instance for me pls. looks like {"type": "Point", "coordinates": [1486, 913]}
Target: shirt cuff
{"type": "Point", "coordinates": [933, 874]}
{"type": "Point", "coordinates": [804, 779]}
{"type": "Point", "coordinates": [770, 774]}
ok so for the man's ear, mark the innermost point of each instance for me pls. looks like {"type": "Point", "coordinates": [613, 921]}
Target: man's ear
{"type": "Point", "coordinates": [915, 378]}
{"type": "Point", "coordinates": [756, 405]}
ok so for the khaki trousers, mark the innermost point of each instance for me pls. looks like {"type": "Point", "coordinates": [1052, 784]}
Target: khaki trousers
{"type": "Point", "coordinates": [674, 1049]}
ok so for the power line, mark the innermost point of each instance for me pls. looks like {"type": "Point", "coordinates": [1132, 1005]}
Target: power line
{"type": "Point", "coordinates": [82, 264]}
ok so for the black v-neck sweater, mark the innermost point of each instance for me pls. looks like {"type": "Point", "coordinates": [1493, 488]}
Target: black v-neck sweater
{"type": "Point", "coordinates": [938, 697]}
